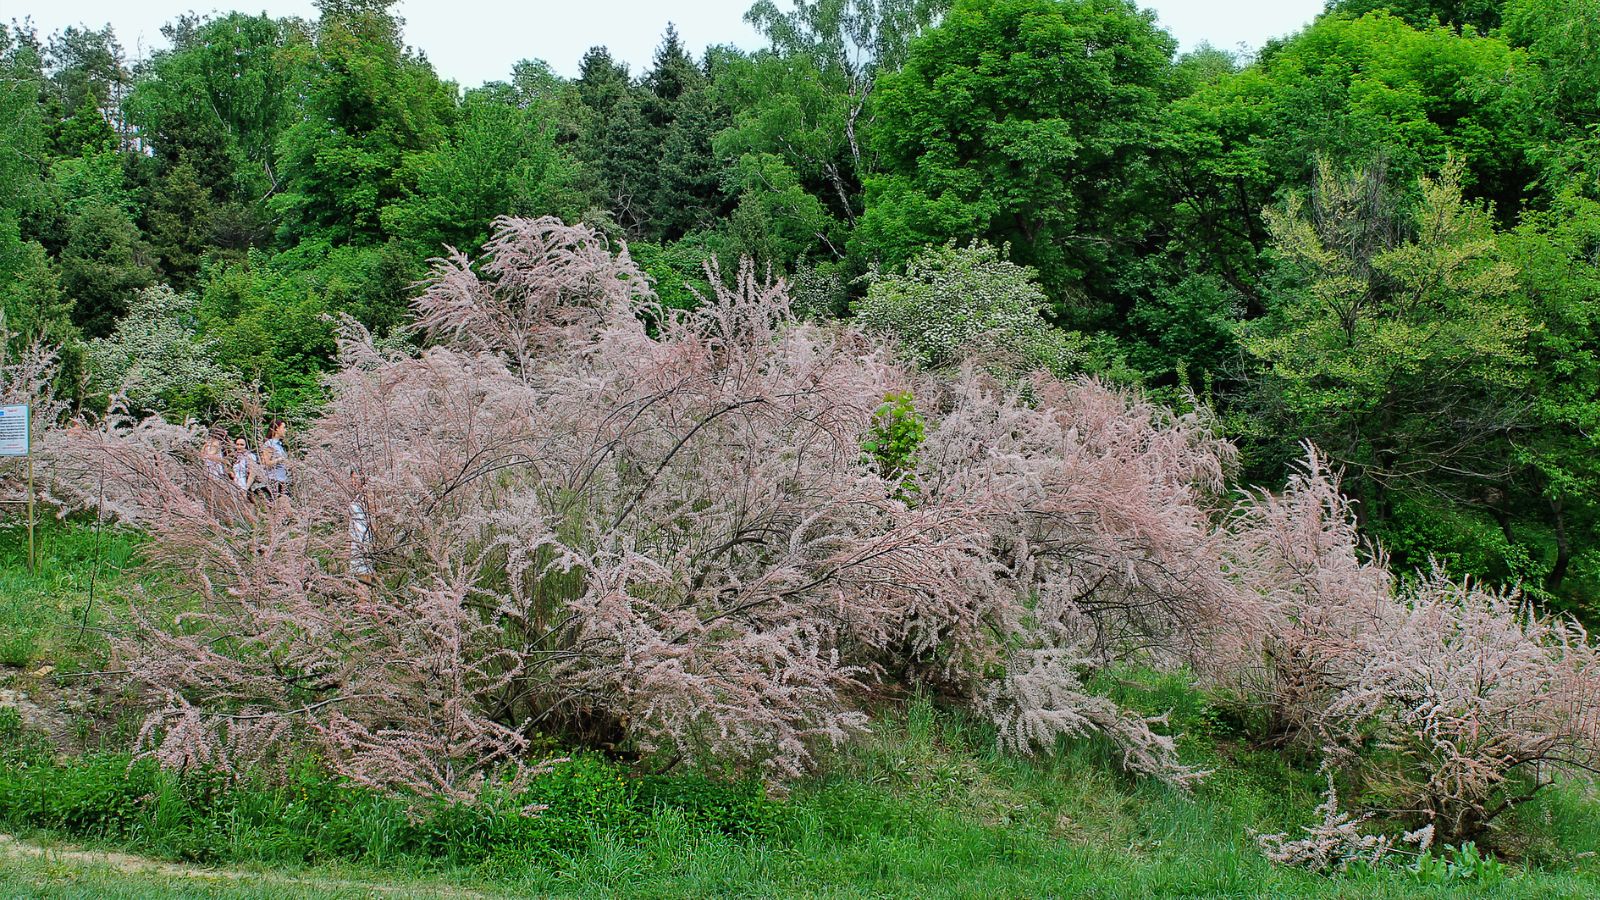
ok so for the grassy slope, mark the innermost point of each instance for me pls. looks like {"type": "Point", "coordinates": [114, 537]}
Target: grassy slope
{"type": "Point", "coordinates": [924, 807]}
{"type": "Point", "coordinates": [42, 616]}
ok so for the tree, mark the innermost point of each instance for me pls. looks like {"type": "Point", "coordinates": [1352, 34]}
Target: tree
{"type": "Point", "coordinates": [368, 103]}
{"type": "Point", "coordinates": [554, 101]}
{"type": "Point", "coordinates": [612, 140]}
{"type": "Point", "coordinates": [622, 152]}
{"type": "Point", "coordinates": [686, 191]}
{"type": "Point", "coordinates": [1023, 122]}
{"type": "Point", "coordinates": [841, 47]}
{"type": "Point", "coordinates": [1559, 277]}
{"type": "Point", "coordinates": [30, 297]}
{"type": "Point", "coordinates": [104, 262]}
{"type": "Point", "coordinates": [269, 315]}
{"type": "Point", "coordinates": [1481, 15]}
{"type": "Point", "coordinates": [673, 73]}
{"type": "Point", "coordinates": [690, 191]}
{"type": "Point", "coordinates": [1395, 341]}
{"type": "Point", "coordinates": [1201, 67]}
{"type": "Point", "coordinates": [218, 101]}
{"type": "Point", "coordinates": [178, 225]}
{"type": "Point", "coordinates": [24, 129]}
{"type": "Point", "coordinates": [677, 271]}
{"type": "Point", "coordinates": [87, 83]}
{"type": "Point", "coordinates": [1350, 91]}
{"type": "Point", "coordinates": [800, 119]}
{"type": "Point", "coordinates": [30, 291]}
{"type": "Point", "coordinates": [777, 220]}
{"type": "Point", "coordinates": [602, 81]}
{"type": "Point", "coordinates": [1184, 336]}
{"type": "Point", "coordinates": [501, 159]}
{"type": "Point", "coordinates": [1560, 37]}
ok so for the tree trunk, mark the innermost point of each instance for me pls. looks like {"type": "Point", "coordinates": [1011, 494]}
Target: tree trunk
{"type": "Point", "coordinates": [1558, 572]}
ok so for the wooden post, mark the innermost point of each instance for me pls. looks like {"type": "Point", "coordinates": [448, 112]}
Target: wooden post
{"type": "Point", "coordinates": [30, 511]}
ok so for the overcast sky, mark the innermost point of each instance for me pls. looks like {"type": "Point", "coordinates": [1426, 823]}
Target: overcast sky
{"type": "Point", "coordinates": [473, 41]}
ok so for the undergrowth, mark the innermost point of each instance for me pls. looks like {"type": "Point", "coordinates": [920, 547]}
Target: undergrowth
{"type": "Point", "coordinates": [313, 818]}
{"type": "Point", "coordinates": [924, 806]}
{"type": "Point", "coordinates": [46, 617]}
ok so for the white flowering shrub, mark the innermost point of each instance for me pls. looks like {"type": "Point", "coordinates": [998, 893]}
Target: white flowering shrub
{"type": "Point", "coordinates": [157, 360]}
{"type": "Point", "coordinates": [959, 303]}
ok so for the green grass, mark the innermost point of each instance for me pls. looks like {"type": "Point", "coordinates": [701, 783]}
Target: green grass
{"type": "Point", "coordinates": [43, 616]}
{"type": "Point", "coordinates": [925, 806]}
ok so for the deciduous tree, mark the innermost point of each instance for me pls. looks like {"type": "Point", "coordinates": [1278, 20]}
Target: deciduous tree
{"type": "Point", "coordinates": [1024, 122]}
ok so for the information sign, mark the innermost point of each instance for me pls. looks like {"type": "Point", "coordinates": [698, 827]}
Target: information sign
{"type": "Point", "coordinates": [13, 430]}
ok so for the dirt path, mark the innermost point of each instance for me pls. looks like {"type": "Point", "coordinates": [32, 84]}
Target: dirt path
{"type": "Point", "coordinates": [11, 848]}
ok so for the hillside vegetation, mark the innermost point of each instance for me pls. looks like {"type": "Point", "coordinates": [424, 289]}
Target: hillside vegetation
{"type": "Point", "coordinates": [926, 806]}
{"type": "Point", "coordinates": [960, 448]}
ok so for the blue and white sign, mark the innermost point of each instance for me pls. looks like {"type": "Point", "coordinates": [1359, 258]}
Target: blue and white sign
{"type": "Point", "coordinates": [14, 430]}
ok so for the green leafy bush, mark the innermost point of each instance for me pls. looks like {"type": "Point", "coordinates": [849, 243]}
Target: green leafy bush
{"type": "Point", "coordinates": [1457, 866]}
{"type": "Point", "coordinates": [677, 269]}
{"type": "Point", "coordinates": [892, 443]}
{"type": "Point", "coordinates": [1461, 540]}
{"type": "Point", "coordinates": [557, 813]}
{"type": "Point", "coordinates": [95, 796]}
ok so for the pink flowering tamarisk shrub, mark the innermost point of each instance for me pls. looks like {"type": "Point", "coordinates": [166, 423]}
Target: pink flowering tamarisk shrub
{"type": "Point", "coordinates": [1453, 702]}
{"type": "Point", "coordinates": [1476, 701]}
{"type": "Point", "coordinates": [1094, 505]}
{"type": "Point", "coordinates": [669, 539]}
{"type": "Point", "coordinates": [1307, 596]}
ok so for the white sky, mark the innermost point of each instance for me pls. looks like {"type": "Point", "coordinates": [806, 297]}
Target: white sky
{"type": "Point", "coordinates": [473, 41]}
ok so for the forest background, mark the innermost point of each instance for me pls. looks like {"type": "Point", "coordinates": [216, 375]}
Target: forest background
{"type": "Point", "coordinates": [1381, 234]}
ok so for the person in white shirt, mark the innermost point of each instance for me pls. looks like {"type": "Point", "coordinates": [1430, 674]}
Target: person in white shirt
{"type": "Point", "coordinates": [245, 464]}
{"type": "Point", "coordinates": [274, 480]}
{"type": "Point", "coordinates": [360, 529]}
